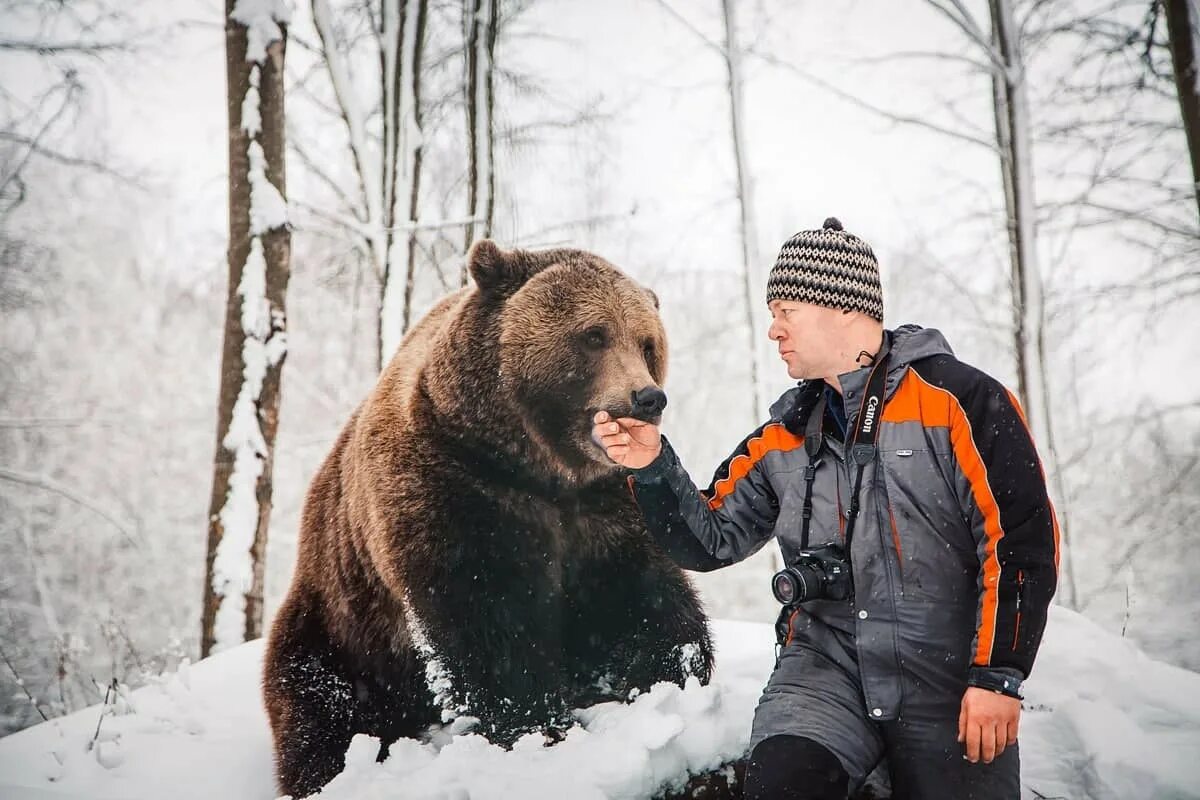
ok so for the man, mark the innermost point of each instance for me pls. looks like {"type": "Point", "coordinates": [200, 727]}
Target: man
{"type": "Point", "coordinates": [922, 468]}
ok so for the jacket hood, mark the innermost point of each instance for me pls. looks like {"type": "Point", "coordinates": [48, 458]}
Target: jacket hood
{"type": "Point", "coordinates": [911, 343]}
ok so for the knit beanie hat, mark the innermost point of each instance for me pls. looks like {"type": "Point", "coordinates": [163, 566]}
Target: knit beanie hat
{"type": "Point", "coordinates": [829, 267]}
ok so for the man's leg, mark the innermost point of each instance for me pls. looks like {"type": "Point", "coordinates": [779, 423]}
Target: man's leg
{"type": "Point", "coordinates": [787, 767]}
{"type": "Point", "coordinates": [811, 735]}
{"type": "Point", "coordinates": [927, 763]}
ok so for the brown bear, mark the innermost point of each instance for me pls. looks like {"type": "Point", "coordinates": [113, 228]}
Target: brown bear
{"type": "Point", "coordinates": [466, 521]}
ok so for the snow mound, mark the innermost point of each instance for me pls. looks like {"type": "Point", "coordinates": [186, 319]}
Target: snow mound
{"type": "Point", "coordinates": [1102, 721]}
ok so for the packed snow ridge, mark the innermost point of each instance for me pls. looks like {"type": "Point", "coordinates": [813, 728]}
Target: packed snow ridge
{"type": "Point", "coordinates": [1101, 721]}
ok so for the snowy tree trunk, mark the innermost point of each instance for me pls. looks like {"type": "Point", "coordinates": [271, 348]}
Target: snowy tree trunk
{"type": "Point", "coordinates": [1183, 29]}
{"type": "Point", "coordinates": [480, 32]}
{"type": "Point", "coordinates": [403, 34]}
{"type": "Point", "coordinates": [255, 331]}
{"type": "Point", "coordinates": [748, 222]}
{"type": "Point", "coordinates": [1015, 141]}
{"type": "Point", "coordinates": [414, 47]}
{"type": "Point", "coordinates": [374, 185]}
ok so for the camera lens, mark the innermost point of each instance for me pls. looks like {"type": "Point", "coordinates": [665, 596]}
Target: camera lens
{"type": "Point", "coordinates": [783, 586]}
{"type": "Point", "coordinates": [799, 583]}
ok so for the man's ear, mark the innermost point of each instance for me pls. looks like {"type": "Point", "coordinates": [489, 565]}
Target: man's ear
{"type": "Point", "coordinates": [498, 271]}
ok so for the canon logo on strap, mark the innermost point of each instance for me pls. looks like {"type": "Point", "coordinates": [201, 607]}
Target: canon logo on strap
{"type": "Point", "coordinates": [869, 414]}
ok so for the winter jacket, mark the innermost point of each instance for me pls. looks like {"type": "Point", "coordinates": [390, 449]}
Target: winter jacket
{"type": "Point", "coordinates": [955, 549]}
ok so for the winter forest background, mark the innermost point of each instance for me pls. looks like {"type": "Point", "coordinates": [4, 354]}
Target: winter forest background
{"type": "Point", "coordinates": [1018, 167]}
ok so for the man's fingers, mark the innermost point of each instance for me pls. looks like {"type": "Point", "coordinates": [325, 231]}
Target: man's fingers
{"type": "Point", "coordinates": [1012, 733]}
{"type": "Point", "coordinates": [974, 735]}
{"type": "Point", "coordinates": [988, 743]}
{"type": "Point", "coordinates": [962, 722]}
{"type": "Point", "coordinates": [611, 439]}
{"type": "Point", "coordinates": [600, 417]}
{"type": "Point", "coordinates": [1001, 735]}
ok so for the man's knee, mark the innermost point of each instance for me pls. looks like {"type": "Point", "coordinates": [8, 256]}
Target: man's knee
{"type": "Point", "coordinates": [794, 768]}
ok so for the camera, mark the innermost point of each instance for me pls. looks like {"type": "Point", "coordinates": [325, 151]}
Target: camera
{"type": "Point", "coordinates": [822, 573]}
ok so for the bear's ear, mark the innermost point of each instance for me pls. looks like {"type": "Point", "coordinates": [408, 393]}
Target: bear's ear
{"type": "Point", "coordinates": [496, 270]}
{"type": "Point", "coordinates": [654, 299]}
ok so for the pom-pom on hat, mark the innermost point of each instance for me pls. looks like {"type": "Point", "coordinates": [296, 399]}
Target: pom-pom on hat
{"type": "Point", "coordinates": [828, 267]}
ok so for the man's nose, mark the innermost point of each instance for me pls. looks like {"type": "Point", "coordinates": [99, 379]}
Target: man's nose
{"type": "Point", "coordinates": [649, 402]}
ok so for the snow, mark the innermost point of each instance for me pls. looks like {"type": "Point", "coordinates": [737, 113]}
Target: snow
{"type": "Point", "coordinates": [262, 19]}
{"type": "Point", "coordinates": [268, 209]}
{"type": "Point", "coordinates": [1102, 721]}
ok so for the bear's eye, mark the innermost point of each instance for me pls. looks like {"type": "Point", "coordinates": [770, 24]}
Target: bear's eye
{"type": "Point", "coordinates": [595, 338]}
{"type": "Point", "coordinates": [648, 351]}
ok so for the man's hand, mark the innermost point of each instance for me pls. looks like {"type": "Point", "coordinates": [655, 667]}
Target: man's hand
{"type": "Point", "coordinates": [987, 723]}
{"type": "Point", "coordinates": [629, 442]}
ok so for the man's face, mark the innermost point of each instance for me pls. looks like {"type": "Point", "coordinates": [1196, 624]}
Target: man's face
{"type": "Point", "coordinates": [806, 336]}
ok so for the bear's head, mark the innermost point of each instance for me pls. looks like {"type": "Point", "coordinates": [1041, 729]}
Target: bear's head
{"type": "Point", "coordinates": [564, 334]}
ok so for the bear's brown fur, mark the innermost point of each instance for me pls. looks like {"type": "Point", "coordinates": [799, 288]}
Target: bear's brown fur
{"type": "Point", "coordinates": [466, 519]}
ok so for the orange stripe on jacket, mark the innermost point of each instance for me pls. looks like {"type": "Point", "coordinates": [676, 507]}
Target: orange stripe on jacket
{"type": "Point", "coordinates": [773, 437]}
{"type": "Point", "coordinates": [935, 406]}
{"type": "Point", "coordinates": [916, 401]}
{"type": "Point", "coordinates": [1053, 516]}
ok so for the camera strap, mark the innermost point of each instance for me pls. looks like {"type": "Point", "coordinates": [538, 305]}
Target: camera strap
{"type": "Point", "coordinates": [866, 432]}
{"type": "Point", "coordinates": [813, 438]}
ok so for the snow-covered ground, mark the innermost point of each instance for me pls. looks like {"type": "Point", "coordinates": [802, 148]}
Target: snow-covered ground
{"type": "Point", "coordinates": [1102, 721]}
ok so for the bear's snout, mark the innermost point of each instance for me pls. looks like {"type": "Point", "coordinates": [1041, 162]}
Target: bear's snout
{"type": "Point", "coordinates": [648, 403]}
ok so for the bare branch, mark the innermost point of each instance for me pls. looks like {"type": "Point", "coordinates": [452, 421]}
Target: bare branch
{"type": "Point", "coordinates": [40, 482]}
{"type": "Point", "coordinates": [699, 34]}
{"type": "Point", "coordinates": [81, 47]}
{"type": "Point", "coordinates": [21, 683]}
{"type": "Point", "coordinates": [958, 14]}
{"type": "Point", "coordinates": [892, 116]}
{"type": "Point", "coordinates": [39, 149]}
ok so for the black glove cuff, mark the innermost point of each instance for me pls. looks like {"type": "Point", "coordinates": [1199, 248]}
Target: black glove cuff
{"type": "Point", "coordinates": [1002, 680]}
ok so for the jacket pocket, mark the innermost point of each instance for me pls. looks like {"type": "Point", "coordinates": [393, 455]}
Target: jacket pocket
{"type": "Point", "coordinates": [931, 541]}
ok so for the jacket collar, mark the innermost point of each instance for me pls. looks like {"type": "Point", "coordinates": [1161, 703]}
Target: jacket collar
{"type": "Point", "coordinates": [903, 346]}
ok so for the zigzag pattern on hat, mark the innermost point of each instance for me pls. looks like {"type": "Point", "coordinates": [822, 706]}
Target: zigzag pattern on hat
{"type": "Point", "coordinates": [828, 267]}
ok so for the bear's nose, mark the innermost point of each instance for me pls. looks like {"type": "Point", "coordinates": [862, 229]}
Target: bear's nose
{"type": "Point", "coordinates": [649, 402]}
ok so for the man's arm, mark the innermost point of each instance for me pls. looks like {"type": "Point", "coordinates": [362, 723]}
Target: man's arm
{"type": "Point", "coordinates": [700, 531]}
{"type": "Point", "coordinates": [721, 532]}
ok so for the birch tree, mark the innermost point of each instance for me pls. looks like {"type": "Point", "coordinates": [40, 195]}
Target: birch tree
{"type": "Point", "coordinates": [1183, 30]}
{"type": "Point", "coordinates": [479, 25]}
{"type": "Point", "coordinates": [385, 207]}
{"type": "Point", "coordinates": [731, 55]}
{"type": "Point", "coordinates": [255, 325]}
{"type": "Point", "coordinates": [747, 219]}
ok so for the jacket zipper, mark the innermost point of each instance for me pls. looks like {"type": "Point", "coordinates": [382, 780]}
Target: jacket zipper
{"type": "Point", "coordinates": [1020, 591]}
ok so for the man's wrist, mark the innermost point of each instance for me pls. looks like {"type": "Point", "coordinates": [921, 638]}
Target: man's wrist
{"type": "Point", "coordinates": [656, 470]}
{"type": "Point", "coordinates": [1002, 680]}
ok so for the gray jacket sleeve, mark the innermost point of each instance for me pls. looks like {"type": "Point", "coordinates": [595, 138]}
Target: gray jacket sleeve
{"type": "Point", "coordinates": [729, 521]}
